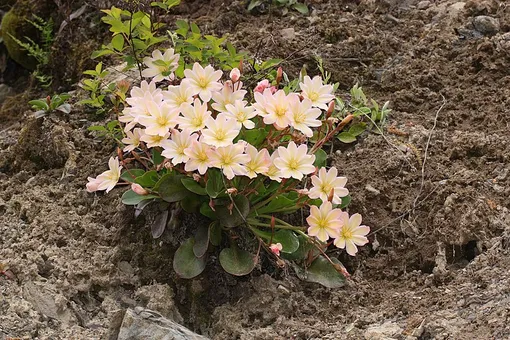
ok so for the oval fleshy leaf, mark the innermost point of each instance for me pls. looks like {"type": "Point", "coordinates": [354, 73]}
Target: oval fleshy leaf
{"type": "Point", "coordinates": [159, 224]}
{"type": "Point", "coordinates": [321, 272]}
{"type": "Point", "coordinates": [288, 240]}
{"type": "Point", "coordinates": [132, 198]}
{"type": "Point", "coordinates": [232, 218]}
{"type": "Point", "coordinates": [171, 189]}
{"type": "Point", "coordinates": [185, 263]}
{"type": "Point", "coordinates": [201, 241]}
{"type": "Point", "coordinates": [215, 233]}
{"type": "Point", "coordinates": [236, 261]}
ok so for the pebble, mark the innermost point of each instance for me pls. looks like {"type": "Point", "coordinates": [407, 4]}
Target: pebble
{"type": "Point", "coordinates": [288, 33]}
{"type": "Point", "coordinates": [423, 5]}
{"type": "Point", "coordinates": [486, 25]}
{"type": "Point", "coordinates": [371, 189]}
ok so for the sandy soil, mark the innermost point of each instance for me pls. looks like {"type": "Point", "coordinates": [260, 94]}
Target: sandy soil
{"type": "Point", "coordinates": [434, 188]}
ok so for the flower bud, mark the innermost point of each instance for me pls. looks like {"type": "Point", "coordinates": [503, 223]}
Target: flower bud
{"type": "Point", "coordinates": [235, 74]}
{"type": "Point", "coordinates": [92, 185]}
{"type": "Point", "coordinates": [331, 108]}
{"type": "Point", "coordinates": [232, 191]}
{"type": "Point", "coordinates": [261, 86]}
{"type": "Point", "coordinates": [196, 177]}
{"type": "Point", "coordinates": [279, 75]}
{"type": "Point", "coordinates": [276, 248]}
{"type": "Point", "coordinates": [139, 189]}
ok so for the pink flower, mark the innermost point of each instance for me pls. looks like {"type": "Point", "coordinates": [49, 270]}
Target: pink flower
{"type": "Point", "coordinates": [261, 86]}
{"type": "Point", "coordinates": [175, 147]}
{"type": "Point", "coordinates": [324, 222]}
{"type": "Point", "coordinates": [294, 161]}
{"type": "Point", "coordinates": [108, 179]}
{"type": "Point", "coordinates": [230, 159]}
{"type": "Point", "coordinates": [352, 234]}
{"type": "Point", "coordinates": [204, 81]}
{"type": "Point", "coordinates": [278, 109]}
{"type": "Point", "coordinates": [302, 116]}
{"type": "Point", "coordinates": [327, 182]}
{"type": "Point", "coordinates": [259, 161]}
{"type": "Point", "coordinates": [276, 248]}
{"type": "Point", "coordinates": [318, 93]}
{"type": "Point", "coordinates": [198, 154]}
{"type": "Point", "coordinates": [220, 131]}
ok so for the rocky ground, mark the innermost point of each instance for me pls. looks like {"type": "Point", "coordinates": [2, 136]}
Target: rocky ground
{"type": "Point", "coordinates": [434, 188]}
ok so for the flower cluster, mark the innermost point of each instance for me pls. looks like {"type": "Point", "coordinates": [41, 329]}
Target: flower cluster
{"type": "Point", "coordinates": [202, 123]}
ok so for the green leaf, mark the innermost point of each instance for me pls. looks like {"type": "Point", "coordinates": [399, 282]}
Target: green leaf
{"type": "Point", "coordinates": [96, 128]}
{"type": "Point", "coordinates": [322, 272]}
{"type": "Point", "coordinates": [214, 185]}
{"type": "Point", "coordinates": [276, 205]}
{"type": "Point", "coordinates": [301, 8]}
{"type": "Point", "coordinates": [39, 104]}
{"type": "Point", "coordinates": [321, 158]}
{"type": "Point", "coordinates": [201, 241]}
{"type": "Point", "coordinates": [346, 137]}
{"type": "Point", "coordinates": [236, 261]}
{"type": "Point", "coordinates": [270, 63]}
{"type": "Point", "coordinates": [191, 203]}
{"type": "Point", "coordinates": [345, 201]}
{"type": "Point", "coordinates": [132, 198]}
{"type": "Point", "coordinates": [157, 159]}
{"type": "Point", "coordinates": [193, 186]}
{"type": "Point", "coordinates": [357, 128]}
{"type": "Point", "coordinates": [255, 137]}
{"type": "Point", "coordinates": [118, 42]}
{"type": "Point", "coordinates": [206, 210]}
{"type": "Point", "coordinates": [185, 263]}
{"type": "Point", "coordinates": [159, 224]}
{"type": "Point", "coordinates": [232, 218]}
{"type": "Point", "coordinates": [302, 252]}
{"type": "Point", "coordinates": [288, 240]}
{"type": "Point", "coordinates": [131, 175]}
{"type": "Point", "coordinates": [171, 189]}
{"type": "Point", "coordinates": [253, 4]}
{"type": "Point", "coordinates": [100, 53]}
{"type": "Point", "coordinates": [148, 179]}
{"type": "Point", "coordinates": [215, 233]}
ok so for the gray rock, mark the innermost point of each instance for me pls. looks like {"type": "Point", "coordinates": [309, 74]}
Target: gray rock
{"type": "Point", "coordinates": [288, 33]}
{"type": "Point", "coordinates": [386, 331]}
{"type": "Point", "coordinates": [142, 323]}
{"type": "Point", "coordinates": [423, 5]}
{"type": "Point", "coordinates": [486, 25]}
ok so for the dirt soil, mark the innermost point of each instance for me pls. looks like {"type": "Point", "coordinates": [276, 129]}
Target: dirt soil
{"type": "Point", "coordinates": [434, 189]}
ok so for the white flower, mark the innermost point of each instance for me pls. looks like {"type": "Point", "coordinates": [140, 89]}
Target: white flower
{"type": "Point", "coordinates": [241, 113]}
{"type": "Point", "coordinates": [277, 108]}
{"type": "Point", "coordinates": [132, 139]}
{"type": "Point", "coordinates": [139, 92]}
{"type": "Point", "coordinates": [108, 179]}
{"type": "Point", "coordinates": [198, 154]}
{"type": "Point", "coordinates": [220, 131]}
{"type": "Point", "coordinates": [261, 100]}
{"type": "Point", "coordinates": [351, 234]}
{"type": "Point", "coordinates": [161, 66]}
{"type": "Point", "coordinates": [318, 93]}
{"type": "Point", "coordinates": [230, 159]}
{"type": "Point", "coordinates": [203, 81]}
{"type": "Point", "coordinates": [174, 148]}
{"type": "Point", "coordinates": [154, 140]}
{"type": "Point", "coordinates": [179, 96]}
{"type": "Point", "coordinates": [235, 74]}
{"type": "Point", "coordinates": [259, 161]}
{"type": "Point", "coordinates": [226, 96]}
{"type": "Point", "coordinates": [162, 118]}
{"type": "Point", "coordinates": [324, 222]}
{"type": "Point", "coordinates": [302, 116]}
{"type": "Point", "coordinates": [294, 161]}
{"type": "Point", "coordinates": [194, 117]}
{"type": "Point", "coordinates": [327, 181]}
{"type": "Point", "coordinates": [273, 172]}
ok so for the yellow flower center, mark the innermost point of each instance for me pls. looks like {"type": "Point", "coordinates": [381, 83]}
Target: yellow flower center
{"type": "Point", "coordinates": [346, 233]}
{"type": "Point", "coordinates": [280, 111]}
{"type": "Point", "coordinates": [220, 135]}
{"type": "Point", "coordinates": [313, 96]}
{"type": "Point", "coordinates": [161, 121]}
{"type": "Point", "coordinates": [202, 82]}
{"type": "Point", "coordinates": [326, 188]}
{"type": "Point", "coordinates": [180, 100]}
{"type": "Point", "coordinates": [227, 160]}
{"type": "Point", "coordinates": [197, 121]}
{"type": "Point", "coordinates": [293, 164]}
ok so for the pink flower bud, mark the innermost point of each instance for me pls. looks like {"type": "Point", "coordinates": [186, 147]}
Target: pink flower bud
{"type": "Point", "coordinates": [276, 248]}
{"type": "Point", "coordinates": [279, 75]}
{"type": "Point", "coordinates": [232, 191]}
{"type": "Point", "coordinates": [139, 189]}
{"type": "Point", "coordinates": [196, 177]}
{"type": "Point", "coordinates": [92, 185]}
{"type": "Point", "coordinates": [261, 86]}
{"type": "Point", "coordinates": [235, 74]}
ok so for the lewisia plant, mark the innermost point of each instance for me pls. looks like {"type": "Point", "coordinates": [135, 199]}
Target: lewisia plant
{"type": "Point", "coordinates": [254, 167]}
